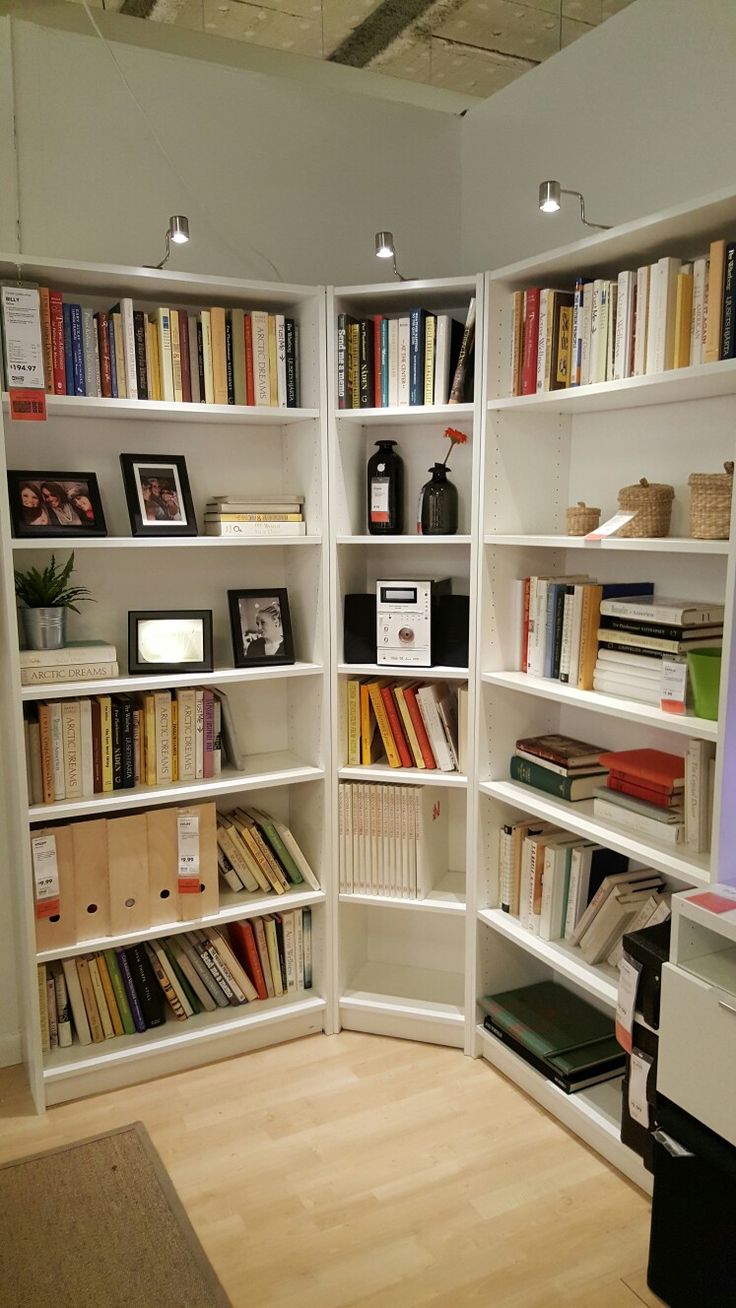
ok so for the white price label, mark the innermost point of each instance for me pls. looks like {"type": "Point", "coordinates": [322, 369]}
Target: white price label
{"type": "Point", "coordinates": [379, 499]}
{"type": "Point", "coordinates": [639, 1066]}
{"type": "Point", "coordinates": [673, 685]}
{"type": "Point", "coordinates": [45, 875]}
{"type": "Point", "coordinates": [187, 840]}
{"type": "Point", "coordinates": [610, 527]}
{"type": "Point", "coordinates": [628, 984]}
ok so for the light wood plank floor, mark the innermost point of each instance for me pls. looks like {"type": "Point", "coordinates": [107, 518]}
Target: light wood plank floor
{"type": "Point", "coordinates": [358, 1170]}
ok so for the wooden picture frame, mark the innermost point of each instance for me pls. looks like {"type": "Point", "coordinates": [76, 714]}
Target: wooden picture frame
{"type": "Point", "coordinates": [169, 640]}
{"type": "Point", "coordinates": [158, 495]}
{"type": "Point", "coordinates": [55, 504]}
{"type": "Point", "coordinates": [258, 620]}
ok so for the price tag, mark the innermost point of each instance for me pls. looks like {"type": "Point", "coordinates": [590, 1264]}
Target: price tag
{"type": "Point", "coordinates": [27, 406]}
{"type": "Point", "coordinates": [187, 840]}
{"type": "Point", "coordinates": [45, 875]}
{"type": "Point", "coordinates": [628, 984]}
{"type": "Point", "coordinates": [639, 1066]}
{"type": "Point", "coordinates": [609, 528]}
{"type": "Point", "coordinates": [673, 685]}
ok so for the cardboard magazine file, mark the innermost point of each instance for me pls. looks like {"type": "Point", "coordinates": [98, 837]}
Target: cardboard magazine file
{"type": "Point", "coordinates": [92, 890]}
{"type": "Point", "coordinates": [164, 900]}
{"type": "Point", "coordinates": [208, 899]}
{"type": "Point", "coordinates": [127, 854]}
{"type": "Point", "coordinates": [59, 930]}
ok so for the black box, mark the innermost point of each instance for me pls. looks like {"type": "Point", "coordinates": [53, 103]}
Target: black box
{"type": "Point", "coordinates": [651, 948]}
{"type": "Point", "coordinates": [633, 1134]}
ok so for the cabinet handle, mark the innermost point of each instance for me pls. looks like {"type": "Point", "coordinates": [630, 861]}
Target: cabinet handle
{"type": "Point", "coordinates": [728, 1007]}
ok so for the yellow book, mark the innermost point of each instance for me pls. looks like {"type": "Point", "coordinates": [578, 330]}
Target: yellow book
{"type": "Point", "coordinates": [564, 345]}
{"type": "Point", "coordinates": [352, 715]}
{"type": "Point", "coordinates": [150, 736]}
{"type": "Point", "coordinates": [219, 357]}
{"type": "Point", "coordinates": [430, 325]}
{"type": "Point", "coordinates": [176, 354]}
{"type": "Point", "coordinates": [384, 726]}
{"type": "Point", "coordinates": [162, 320]}
{"type": "Point", "coordinates": [408, 725]}
{"type": "Point", "coordinates": [273, 376]}
{"type": "Point", "coordinates": [716, 271]}
{"type": "Point", "coordinates": [683, 319]}
{"type": "Point", "coordinates": [154, 363]}
{"type": "Point", "coordinates": [117, 336]}
{"type": "Point", "coordinates": [115, 1018]}
{"type": "Point", "coordinates": [105, 741]}
{"type": "Point", "coordinates": [209, 383]}
{"type": "Point", "coordinates": [370, 739]}
{"type": "Point", "coordinates": [353, 342]}
{"type": "Point", "coordinates": [174, 739]}
{"type": "Point", "coordinates": [43, 1009]}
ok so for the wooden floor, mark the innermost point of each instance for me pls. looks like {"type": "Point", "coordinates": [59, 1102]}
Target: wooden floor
{"type": "Point", "coordinates": [357, 1170]}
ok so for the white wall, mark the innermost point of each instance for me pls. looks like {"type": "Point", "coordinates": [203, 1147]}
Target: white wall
{"type": "Point", "coordinates": [638, 115]}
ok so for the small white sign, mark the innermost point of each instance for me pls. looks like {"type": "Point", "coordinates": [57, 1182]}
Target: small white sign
{"type": "Point", "coordinates": [610, 527]}
{"type": "Point", "coordinates": [673, 685]}
{"type": "Point", "coordinates": [45, 868]}
{"type": "Point", "coordinates": [639, 1066]}
{"type": "Point", "coordinates": [628, 984]}
{"type": "Point", "coordinates": [187, 838]}
{"type": "Point", "coordinates": [22, 331]}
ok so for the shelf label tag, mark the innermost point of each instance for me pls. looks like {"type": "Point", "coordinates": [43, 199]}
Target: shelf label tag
{"type": "Point", "coordinates": [639, 1068]}
{"type": "Point", "coordinates": [45, 876]}
{"type": "Point", "coordinates": [187, 840]}
{"type": "Point", "coordinates": [611, 527]}
{"type": "Point", "coordinates": [673, 685]}
{"type": "Point", "coordinates": [27, 406]}
{"type": "Point", "coordinates": [628, 984]}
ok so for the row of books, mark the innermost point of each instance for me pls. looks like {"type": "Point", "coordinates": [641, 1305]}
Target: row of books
{"type": "Point", "coordinates": [214, 356]}
{"type": "Point", "coordinates": [412, 724]}
{"type": "Point", "coordinates": [562, 887]}
{"type": "Point", "coordinates": [636, 636]}
{"type": "Point", "coordinates": [418, 358]}
{"type": "Point", "coordinates": [393, 839]}
{"type": "Point", "coordinates": [664, 315]}
{"type": "Point", "coordinates": [259, 854]}
{"type": "Point", "coordinates": [76, 748]}
{"type": "Point", "coordinates": [256, 515]}
{"type": "Point", "coordinates": [116, 992]}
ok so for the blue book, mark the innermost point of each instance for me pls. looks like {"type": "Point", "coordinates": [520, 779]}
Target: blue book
{"type": "Point", "coordinates": [113, 362]}
{"type": "Point", "coordinates": [384, 362]}
{"type": "Point", "coordinates": [417, 318]}
{"type": "Point", "coordinates": [75, 312]}
{"type": "Point", "coordinates": [68, 367]}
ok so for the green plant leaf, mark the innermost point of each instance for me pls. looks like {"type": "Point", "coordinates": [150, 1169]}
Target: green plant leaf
{"type": "Point", "coordinates": [50, 588]}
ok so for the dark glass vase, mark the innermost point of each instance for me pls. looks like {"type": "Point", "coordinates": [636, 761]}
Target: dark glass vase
{"type": "Point", "coordinates": [385, 491]}
{"type": "Point", "coordinates": [438, 504]}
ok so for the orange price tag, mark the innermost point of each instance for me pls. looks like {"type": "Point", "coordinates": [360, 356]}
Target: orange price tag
{"type": "Point", "coordinates": [27, 406]}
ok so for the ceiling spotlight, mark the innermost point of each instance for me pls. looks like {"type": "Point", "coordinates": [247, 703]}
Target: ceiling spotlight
{"type": "Point", "coordinates": [549, 202]}
{"type": "Point", "coordinates": [385, 249]}
{"type": "Point", "coordinates": [178, 232]}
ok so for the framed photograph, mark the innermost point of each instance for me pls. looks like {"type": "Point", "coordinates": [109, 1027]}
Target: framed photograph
{"type": "Point", "coordinates": [158, 495]}
{"type": "Point", "coordinates": [170, 640]}
{"type": "Point", "coordinates": [55, 504]}
{"type": "Point", "coordinates": [261, 627]}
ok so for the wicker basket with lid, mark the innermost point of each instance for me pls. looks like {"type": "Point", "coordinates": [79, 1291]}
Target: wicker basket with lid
{"type": "Point", "coordinates": [651, 504]}
{"type": "Point", "coordinates": [710, 503]}
{"type": "Point", "coordinates": [581, 518]}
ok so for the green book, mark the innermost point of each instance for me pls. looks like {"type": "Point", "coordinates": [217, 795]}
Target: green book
{"type": "Point", "coordinates": [121, 998]}
{"type": "Point", "coordinates": [569, 1039]}
{"type": "Point", "coordinates": [173, 962]}
{"type": "Point", "coordinates": [554, 783]}
{"type": "Point", "coordinates": [266, 823]}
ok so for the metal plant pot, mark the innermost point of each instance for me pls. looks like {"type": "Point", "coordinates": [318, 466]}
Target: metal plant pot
{"type": "Point", "coordinates": [45, 628]}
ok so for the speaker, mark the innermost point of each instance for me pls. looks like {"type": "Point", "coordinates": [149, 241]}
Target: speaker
{"type": "Point", "coordinates": [359, 643]}
{"type": "Point", "coordinates": [450, 631]}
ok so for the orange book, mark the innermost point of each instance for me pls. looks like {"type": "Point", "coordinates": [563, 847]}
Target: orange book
{"type": "Point", "coordinates": [410, 698]}
{"type": "Point", "coordinates": [589, 621]}
{"type": "Point", "coordinates": [369, 736]}
{"type": "Point", "coordinates": [653, 767]}
{"type": "Point", "coordinates": [397, 731]}
{"type": "Point", "coordinates": [716, 272]}
{"type": "Point", "coordinates": [243, 942]}
{"type": "Point", "coordinates": [48, 353]}
{"type": "Point", "coordinates": [47, 767]}
{"type": "Point", "coordinates": [384, 726]}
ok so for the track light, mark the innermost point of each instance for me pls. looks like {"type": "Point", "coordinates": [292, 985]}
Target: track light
{"type": "Point", "coordinates": [178, 232]}
{"type": "Point", "coordinates": [385, 249]}
{"type": "Point", "coordinates": [549, 202]}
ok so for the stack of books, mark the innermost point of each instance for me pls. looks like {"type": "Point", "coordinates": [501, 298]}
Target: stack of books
{"type": "Point", "coordinates": [255, 515]}
{"type": "Point", "coordinates": [645, 793]}
{"type": "Point", "coordinates": [259, 854]}
{"type": "Point", "coordinates": [393, 839]}
{"type": "Point", "coordinates": [559, 765]}
{"type": "Point", "coordinates": [636, 633]}
{"type": "Point", "coordinates": [418, 358]}
{"type": "Point", "coordinates": [414, 724]}
{"type": "Point", "coordinates": [560, 617]}
{"type": "Point", "coordinates": [117, 992]}
{"type": "Point", "coordinates": [92, 660]}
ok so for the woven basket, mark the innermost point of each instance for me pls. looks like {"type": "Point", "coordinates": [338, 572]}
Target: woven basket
{"type": "Point", "coordinates": [651, 504]}
{"type": "Point", "coordinates": [581, 519]}
{"type": "Point", "coordinates": [710, 504]}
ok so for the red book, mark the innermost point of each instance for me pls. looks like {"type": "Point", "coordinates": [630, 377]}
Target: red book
{"type": "Point", "coordinates": [103, 341]}
{"type": "Point", "coordinates": [56, 312]}
{"type": "Point", "coordinates": [525, 623]}
{"type": "Point", "coordinates": [531, 341]}
{"type": "Point", "coordinates": [250, 393]}
{"type": "Point", "coordinates": [244, 943]}
{"type": "Point", "coordinates": [662, 798]}
{"type": "Point", "coordinates": [186, 370]}
{"type": "Point", "coordinates": [208, 758]}
{"type": "Point", "coordinates": [48, 354]}
{"type": "Point", "coordinates": [377, 361]}
{"type": "Point", "coordinates": [410, 696]}
{"type": "Point", "coordinates": [650, 767]}
{"type": "Point", "coordinates": [397, 731]}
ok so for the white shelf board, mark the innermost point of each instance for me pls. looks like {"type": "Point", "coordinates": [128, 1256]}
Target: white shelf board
{"type": "Point", "coordinates": [436, 673]}
{"type": "Point", "coordinates": [90, 406]}
{"type": "Point", "coordinates": [80, 1059]}
{"type": "Point", "coordinates": [404, 540]}
{"type": "Point", "coordinates": [600, 980]}
{"type": "Point", "coordinates": [406, 415]}
{"type": "Point", "coordinates": [124, 685]}
{"type": "Point", "coordinates": [578, 818]}
{"type": "Point", "coordinates": [597, 702]}
{"type": "Point", "coordinates": [435, 903]}
{"type": "Point", "coordinates": [640, 544]}
{"type": "Point", "coordinates": [404, 776]}
{"type": "Point", "coordinates": [409, 990]}
{"type": "Point", "coordinates": [172, 543]}
{"type": "Point", "coordinates": [704, 381]}
{"type": "Point", "coordinates": [275, 769]}
{"type": "Point", "coordinates": [233, 908]}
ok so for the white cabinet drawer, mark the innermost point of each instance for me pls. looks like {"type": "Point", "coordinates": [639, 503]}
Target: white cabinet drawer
{"type": "Point", "coordinates": [697, 1050]}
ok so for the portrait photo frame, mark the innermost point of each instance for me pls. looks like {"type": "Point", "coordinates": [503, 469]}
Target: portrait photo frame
{"type": "Point", "coordinates": [158, 495]}
{"type": "Point", "coordinates": [55, 504]}
{"type": "Point", "coordinates": [260, 625]}
{"type": "Point", "coordinates": [169, 640]}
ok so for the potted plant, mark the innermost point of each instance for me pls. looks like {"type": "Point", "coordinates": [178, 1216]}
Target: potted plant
{"type": "Point", "coordinates": [47, 598]}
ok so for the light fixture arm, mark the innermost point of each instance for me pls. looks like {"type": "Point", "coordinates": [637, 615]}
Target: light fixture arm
{"type": "Point", "coordinates": [165, 259]}
{"type": "Point", "coordinates": [603, 227]}
{"type": "Point", "coordinates": [397, 274]}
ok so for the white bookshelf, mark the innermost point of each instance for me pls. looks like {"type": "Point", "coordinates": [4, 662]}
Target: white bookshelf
{"type": "Point", "coordinates": [281, 714]}
{"type": "Point", "coordinates": [401, 964]}
{"type": "Point", "coordinates": [540, 454]}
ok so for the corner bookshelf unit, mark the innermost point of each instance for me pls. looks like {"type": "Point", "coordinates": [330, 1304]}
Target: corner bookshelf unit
{"type": "Point", "coordinates": [281, 713]}
{"type": "Point", "coordinates": [401, 963]}
{"type": "Point", "coordinates": [540, 454]}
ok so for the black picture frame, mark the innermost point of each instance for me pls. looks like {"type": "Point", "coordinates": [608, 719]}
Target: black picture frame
{"type": "Point", "coordinates": [246, 607]}
{"type": "Point", "coordinates": [68, 501]}
{"type": "Point", "coordinates": [169, 510]}
{"type": "Point", "coordinates": [194, 624]}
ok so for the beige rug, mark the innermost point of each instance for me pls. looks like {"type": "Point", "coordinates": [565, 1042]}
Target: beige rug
{"type": "Point", "coordinates": [98, 1224]}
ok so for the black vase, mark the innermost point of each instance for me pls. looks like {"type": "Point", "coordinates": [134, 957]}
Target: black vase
{"type": "Point", "coordinates": [385, 491]}
{"type": "Point", "coordinates": [438, 504]}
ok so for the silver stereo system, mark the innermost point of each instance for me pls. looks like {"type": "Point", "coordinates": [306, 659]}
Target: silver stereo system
{"type": "Point", "coordinates": [404, 621]}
